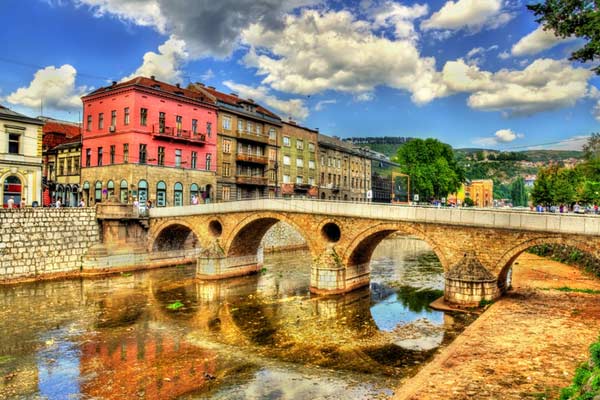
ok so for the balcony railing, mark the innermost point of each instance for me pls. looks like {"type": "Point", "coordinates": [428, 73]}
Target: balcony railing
{"type": "Point", "coordinates": [253, 158]}
{"type": "Point", "coordinates": [251, 180]}
{"type": "Point", "coordinates": [252, 136]}
{"type": "Point", "coordinates": [171, 133]}
{"type": "Point", "coordinates": [302, 186]}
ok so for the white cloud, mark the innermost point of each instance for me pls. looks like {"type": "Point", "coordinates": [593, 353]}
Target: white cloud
{"type": "Point", "coordinates": [209, 27]}
{"type": "Point", "coordinates": [472, 15]}
{"type": "Point", "coordinates": [501, 136]}
{"type": "Point", "coordinates": [400, 17]}
{"type": "Point", "coordinates": [321, 104]}
{"type": "Point", "coordinates": [323, 50]}
{"type": "Point", "coordinates": [505, 55]}
{"type": "Point", "coordinates": [537, 41]}
{"type": "Point", "coordinates": [596, 111]}
{"type": "Point", "coordinates": [54, 87]}
{"type": "Point", "coordinates": [208, 75]}
{"type": "Point", "coordinates": [572, 143]}
{"type": "Point", "coordinates": [294, 108]}
{"type": "Point", "coordinates": [543, 85]}
{"type": "Point", "coordinates": [364, 97]}
{"type": "Point", "coordinates": [164, 65]}
{"type": "Point", "coordinates": [477, 55]}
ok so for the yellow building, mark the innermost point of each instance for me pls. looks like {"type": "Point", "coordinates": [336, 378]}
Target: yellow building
{"type": "Point", "coordinates": [20, 159]}
{"type": "Point", "coordinates": [481, 191]}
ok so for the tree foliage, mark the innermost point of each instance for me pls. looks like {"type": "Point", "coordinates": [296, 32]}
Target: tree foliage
{"type": "Point", "coordinates": [579, 18]}
{"type": "Point", "coordinates": [433, 170]}
{"type": "Point", "coordinates": [518, 194]}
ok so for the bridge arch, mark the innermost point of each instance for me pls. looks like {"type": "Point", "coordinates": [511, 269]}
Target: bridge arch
{"type": "Point", "coordinates": [246, 236]}
{"type": "Point", "coordinates": [361, 249]}
{"type": "Point", "coordinates": [173, 235]}
{"type": "Point", "coordinates": [505, 263]}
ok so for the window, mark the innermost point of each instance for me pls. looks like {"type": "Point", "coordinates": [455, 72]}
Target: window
{"type": "Point", "coordinates": [178, 194]}
{"type": "Point", "coordinates": [286, 160]}
{"type": "Point", "coordinates": [178, 123]}
{"type": "Point", "coordinates": [286, 179]}
{"type": "Point", "coordinates": [98, 192]}
{"type": "Point", "coordinates": [272, 134]}
{"type": "Point", "coordinates": [99, 156]}
{"type": "Point", "coordinates": [226, 193]}
{"type": "Point", "coordinates": [258, 129]}
{"type": "Point", "coordinates": [227, 122]}
{"type": "Point", "coordinates": [299, 180]}
{"type": "Point", "coordinates": [101, 121]}
{"type": "Point", "coordinates": [161, 194]}
{"type": "Point", "coordinates": [322, 161]}
{"type": "Point", "coordinates": [142, 155]}
{"type": "Point", "coordinates": [126, 116]}
{"type": "Point", "coordinates": [88, 157]}
{"type": "Point", "coordinates": [299, 163]}
{"type": "Point", "coordinates": [125, 153]}
{"type": "Point", "coordinates": [76, 165]}
{"type": "Point", "coordinates": [143, 191]}
{"type": "Point", "coordinates": [226, 146]}
{"type": "Point", "coordinates": [208, 159]}
{"type": "Point", "coordinates": [194, 159]}
{"type": "Point", "coordinates": [89, 123]}
{"type": "Point", "coordinates": [272, 155]}
{"type": "Point", "coordinates": [311, 164]}
{"type": "Point", "coordinates": [161, 155]}
{"type": "Point", "coordinates": [13, 143]}
{"type": "Point", "coordinates": [311, 147]}
{"type": "Point", "coordinates": [110, 189]}
{"type": "Point", "coordinates": [286, 141]}
{"type": "Point", "coordinates": [240, 125]}
{"type": "Point", "coordinates": [123, 192]}
{"type": "Point", "coordinates": [249, 127]}
{"type": "Point", "coordinates": [311, 181]}
{"type": "Point", "coordinates": [143, 116]}
{"type": "Point", "coordinates": [339, 164]}
{"type": "Point", "coordinates": [113, 118]}
{"type": "Point", "coordinates": [194, 126]}
{"type": "Point", "coordinates": [112, 154]}
{"type": "Point", "coordinates": [208, 129]}
{"type": "Point", "coordinates": [161, 122]}
{"type": "Point", "coordinates": [61, 166]}
{"type": "Point", "coordinates": [178, 157]}
{"type": "Point", "coordinates": [193, 191]}
{"type": "Point", "coordinates": [299, 144]}
{"type": "Point", "coordinates": [226, 169]}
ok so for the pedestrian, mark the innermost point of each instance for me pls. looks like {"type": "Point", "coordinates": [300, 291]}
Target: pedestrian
{"type": "Point", "coordinates": [136, 203]}
{"type": "Point", "coordinates": [58, 203]}
{"type": "Point", "coordinates": [149, 204]}
{"type": "Point", "coordinates": [82, 203]}
{"type": "Point", "coordinates": [11, 202]}
{"type": "Point", "coordinates": [194, 200]}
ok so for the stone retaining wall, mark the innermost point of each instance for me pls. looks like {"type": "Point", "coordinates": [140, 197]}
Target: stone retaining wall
{"type": "Point", "coordinates": [282, 237]}
{"type": "Point", "coordinates": [45, 241]}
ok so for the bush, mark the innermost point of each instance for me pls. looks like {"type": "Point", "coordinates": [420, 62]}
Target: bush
{"type": "Point", "coordinates": [586, 382]}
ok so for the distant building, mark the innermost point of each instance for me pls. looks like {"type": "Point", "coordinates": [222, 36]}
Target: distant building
{"type": "Point", "coordinates": [20, 158]}
{"type": "Point", "coordinates": [148, 140]}
{"type": "Point", "coordinates": [530, 180]}
{"type": "Point", "coordinates": [298, 154]}
{"type": "Point", "coordinates": [383, 171]}
{"type": "Point", "coordinates": [481, 191]}
{"type": "Point", "coordinates": [247, 146]}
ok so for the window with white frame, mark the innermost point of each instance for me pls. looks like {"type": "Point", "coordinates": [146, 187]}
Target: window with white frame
{"type": "Point", "coordinates": [299, 180]}
{"type": "Point", "coordinates": [311, 147]}
{"type": "Point", "coordinates": [227, 122]}
{"type": "Point", "coordinates": [286, 179]}
{"type": "Point", "coordinates": [286, 160]}
{"type": "Point", "coordinates": [311, 164]}
{"type": "Point", "coordinates": [286, 141]}
{"type": "Point", "coordinates": [299, 163]}
{"type": "Point", "coordinates": [300, 144]}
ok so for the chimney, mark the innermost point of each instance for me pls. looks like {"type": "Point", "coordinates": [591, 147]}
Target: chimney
{"type": "Point", "coordinates": [212, 88]}
{"type": "Point", "coordinates": [114, 83]}
{"type": "Point", "coordinates": [153, 77]}
{"type": "Point", "coordinates": [250, 101]}
{"type": "Point", "coordinates": [200, 84]}
{"type": "Point", "coordinates": [178, 85]}
{"type": "Point", "coordinates": [291, 121]}
{"type": "Point", "coordinates": [234, 94]}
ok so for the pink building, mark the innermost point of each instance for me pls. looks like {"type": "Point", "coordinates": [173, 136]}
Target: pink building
{"type": "Point", "coordinates": [148, 140]}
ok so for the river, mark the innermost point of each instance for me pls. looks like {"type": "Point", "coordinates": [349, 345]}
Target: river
{"type": "Point", "coordinates": [162, 334]}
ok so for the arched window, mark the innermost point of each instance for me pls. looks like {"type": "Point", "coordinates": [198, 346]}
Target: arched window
{"type": "Point", "coordinates": [86, 193]}
{"type": "Point", "coordinates": [12, 188]}
{"type": "Point", "coordinates": [110, 189]}
{"type": "Point", "coordinates": [98, 192]}
{"type": "Point", "coordinates": [123, 191]}
{"type": "Point", "coordinates": [142, 191]}
{"type": "Point", "coordinates": [178, 194]}
{"type": "Point", "coordinates": [194, 191]}
{"type": "Point", "coordinates": [161, 194]}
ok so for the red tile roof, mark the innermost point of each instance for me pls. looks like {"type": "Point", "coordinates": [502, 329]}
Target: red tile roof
{"type": "Point", "coordinates": [68, 129]}
{"type": "Point", "coordinates": [235, 100]}
{"type": "Point", "coordinates": [155, 85]}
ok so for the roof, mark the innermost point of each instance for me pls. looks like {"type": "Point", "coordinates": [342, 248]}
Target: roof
{"type": "Point", "coordinates": [153, 84]}
{"type": "Point", "coordinates": [329, 141]}
{"type": "Point", "coordinates": [231, 99]}
{"type": "Point", "coordinates": [69, 143]}
{"type": "Point", "coordinates": [69, 129]}
{"type": "Point", "coordinates": [7, 113]}
{"type": "Point", "coordinates": [469, 268]}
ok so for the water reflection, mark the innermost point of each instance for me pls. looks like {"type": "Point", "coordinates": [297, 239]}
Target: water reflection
{"type": "Point", "coordinates": [162, 334]}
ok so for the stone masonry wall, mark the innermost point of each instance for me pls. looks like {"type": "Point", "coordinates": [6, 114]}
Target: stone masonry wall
{"type": "Point", "coordinates": [282, 237]}
{"type": "Point", "coordinates": [45, 241]}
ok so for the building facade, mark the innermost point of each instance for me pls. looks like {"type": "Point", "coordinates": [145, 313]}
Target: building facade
{"type": "Point", "coordinates": [20, 159]}
{"type": "Point", "coordinates": [344, 173]}
{"type": "Point", "coordinates": [247, 146]}
{"type": "Point", "coordinates": [481, 191]}
{"type": "Point", "coordinates": [383, 172]}
{"type": "Point", "coordinates": [298, 161]}
{"type": "Point", "coordinates": [146, 140]}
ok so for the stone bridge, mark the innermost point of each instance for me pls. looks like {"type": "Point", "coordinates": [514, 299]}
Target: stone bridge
{"type": "Point", "coordinates": [341, 238]}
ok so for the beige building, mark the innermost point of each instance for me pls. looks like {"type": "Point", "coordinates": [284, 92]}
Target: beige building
{"type": "Point", "coordinates": [65, 174]}
{"type": "Point", "coordinates": [298, 163]}
{"type": "Point", "coordinates": [481, 191]}
{"type": "Point", "coordinates": [20, 159]}
{"type": "Point", "coordinates": [345, 174]}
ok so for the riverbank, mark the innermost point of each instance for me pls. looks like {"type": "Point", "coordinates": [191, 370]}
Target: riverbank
{"type": "Point", "coordinates": [526, 345]}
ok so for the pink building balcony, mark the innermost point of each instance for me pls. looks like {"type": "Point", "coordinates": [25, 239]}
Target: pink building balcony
{"type": "Point", "coordinates": [174, 134]}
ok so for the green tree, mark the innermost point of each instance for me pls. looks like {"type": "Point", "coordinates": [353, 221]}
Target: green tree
{"type": "Point", "coordinates": [579, 18]}
{"type": "Point", "coordinates": [518, 194]}
{"type": "Point", "coordinates": [433, 170]}
{"type": "Point", "coordinates": [543, 188]}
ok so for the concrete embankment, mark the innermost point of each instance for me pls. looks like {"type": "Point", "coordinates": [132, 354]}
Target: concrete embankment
{"type": "Point", "coordinates": [526, 345]}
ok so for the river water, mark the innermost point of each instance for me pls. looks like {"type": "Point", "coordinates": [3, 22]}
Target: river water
{"type": "Point", "coordinates": [161, 334]}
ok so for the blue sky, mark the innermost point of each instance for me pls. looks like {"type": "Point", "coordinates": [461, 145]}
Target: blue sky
{"type": "Point", "coordinates": [472, 73]}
